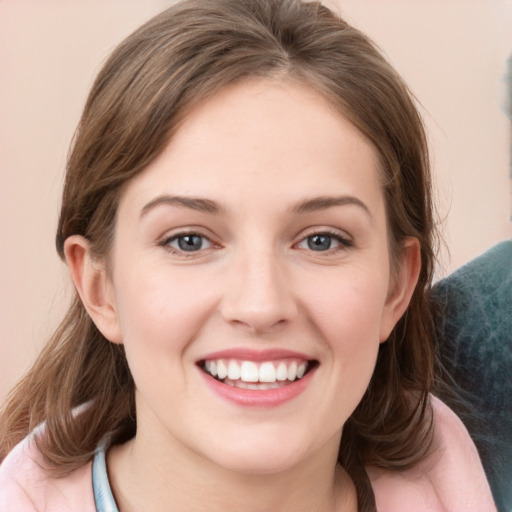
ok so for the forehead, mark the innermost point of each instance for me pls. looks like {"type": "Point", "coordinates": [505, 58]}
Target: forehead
{"type": "Point", "coordinates": [274, 138]}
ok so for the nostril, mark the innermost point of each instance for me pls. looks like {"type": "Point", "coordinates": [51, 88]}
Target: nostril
{"type": "Point", "coordinates": [258, 325]}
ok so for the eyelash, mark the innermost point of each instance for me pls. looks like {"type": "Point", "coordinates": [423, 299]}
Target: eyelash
{"type": "Point", "coordinates": [344, 243]}
{"type": "Point", "coordinates": [166, 243]}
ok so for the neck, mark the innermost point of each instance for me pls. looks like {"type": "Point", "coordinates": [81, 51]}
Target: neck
{"type": "Point", "coordinates": [144, 477]}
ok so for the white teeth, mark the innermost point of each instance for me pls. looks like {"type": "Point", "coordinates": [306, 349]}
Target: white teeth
{"type": "Point", "coordinates": [282, 371]}
{"type": "Point", "coordinates": [233, 370]}
{"type": "Point", "coordinates": [292, 371]}
{"type": "Point", "coordinates": [267, 372]}
{"type": "Point", "coordinates": [211, 367]}
{"type": "Point", "coordinates": [222, 370]}
{"type": "Point", "coordinates": [249, 371]}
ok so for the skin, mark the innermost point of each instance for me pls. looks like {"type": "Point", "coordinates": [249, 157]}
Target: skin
{"type": "Point", "coordinates": [262, 152]}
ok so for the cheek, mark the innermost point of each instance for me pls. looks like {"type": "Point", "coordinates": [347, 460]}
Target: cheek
{"type": "Point", "coordinates": [346, 316]}
{"type": "Point", "coordinates": [159, 317]}
{"type": "Point", "coordinates": [158, 309]}
{"type": "Point", "coordinates": [348, 310]}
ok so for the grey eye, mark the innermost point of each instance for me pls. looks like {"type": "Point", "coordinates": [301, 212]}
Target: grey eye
{"type": "Point", "coordinates": [189, 242]}
{"type": "Point", "coordinates": [323, 242]}
{"type": "Point", "coordinates": [319, 242]}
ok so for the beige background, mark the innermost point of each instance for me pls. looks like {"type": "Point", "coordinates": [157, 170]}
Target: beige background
{"type": "Point", "coordinates": [452, 53]}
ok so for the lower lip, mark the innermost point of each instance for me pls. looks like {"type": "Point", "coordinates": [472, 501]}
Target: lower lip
{"type": "Point", "coordinates": [258, 398]}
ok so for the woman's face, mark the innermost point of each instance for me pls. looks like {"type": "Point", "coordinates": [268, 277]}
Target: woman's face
{"type": "Point", "coordinates": [254, 246]}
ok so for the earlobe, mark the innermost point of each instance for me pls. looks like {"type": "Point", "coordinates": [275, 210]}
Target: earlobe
{"type": "Point", "coordinates": [93, 285]}
{"type": "Point", "coordinates": [402, 286]}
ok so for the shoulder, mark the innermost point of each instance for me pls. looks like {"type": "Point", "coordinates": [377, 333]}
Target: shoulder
{"type": "Point", "coordinates": [26, 487]}
{"type": "Point", "coordinates": [451, 478]}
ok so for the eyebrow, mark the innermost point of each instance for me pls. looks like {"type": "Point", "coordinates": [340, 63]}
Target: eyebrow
{"type": "Point", "coordinates": [194, 203]}
{"type": "Point", "coordinates": [324, 202]}
{"type": "Point", "coordinates": [208, 206]}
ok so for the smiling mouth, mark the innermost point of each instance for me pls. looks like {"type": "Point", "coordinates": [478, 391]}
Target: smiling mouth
{"type": "Point", "coordinates": [257, 375]}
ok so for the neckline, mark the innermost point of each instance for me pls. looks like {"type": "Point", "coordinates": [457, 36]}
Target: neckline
{"type": "Point", "coordinates": [103, 497]}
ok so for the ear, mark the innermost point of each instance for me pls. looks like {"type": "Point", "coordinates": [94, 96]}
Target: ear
{"type": "Point", "coordinates": [93, 285]}
{"type": "Point", "coordinates": [402, 285]}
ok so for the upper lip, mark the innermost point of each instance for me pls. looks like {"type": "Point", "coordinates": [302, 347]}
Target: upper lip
{"type": "Point", "coordinates": [257, 355]}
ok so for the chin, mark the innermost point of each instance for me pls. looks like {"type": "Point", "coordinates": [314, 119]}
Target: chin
{"type": "Point", "coordinates": [250, 457]}
{"type": "Point", "coordinates": [260, 464]}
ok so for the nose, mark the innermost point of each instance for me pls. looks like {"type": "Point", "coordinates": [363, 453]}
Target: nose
{"type": "Point", "coordinates": [258, 295]}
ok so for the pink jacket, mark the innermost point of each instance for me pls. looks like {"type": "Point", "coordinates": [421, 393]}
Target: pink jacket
{"type": "Point", "coordinates": [26, 487]}
{"type": "Point", "coordinates": [451, 479]}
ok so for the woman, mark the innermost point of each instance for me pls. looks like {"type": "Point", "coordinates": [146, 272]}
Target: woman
{"type": "Point", "coordinates": [247, 220]}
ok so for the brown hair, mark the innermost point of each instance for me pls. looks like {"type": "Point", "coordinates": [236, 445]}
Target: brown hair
{"type": "Point", "coordinates": [186, 54]}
